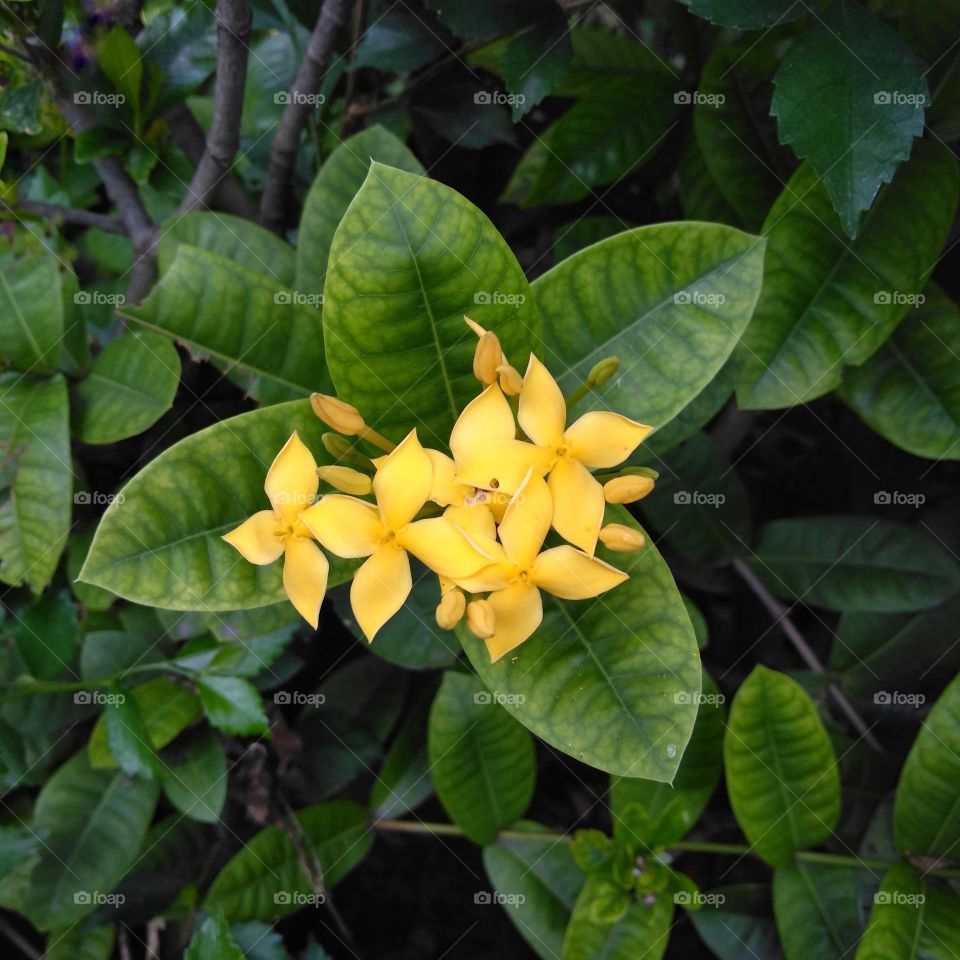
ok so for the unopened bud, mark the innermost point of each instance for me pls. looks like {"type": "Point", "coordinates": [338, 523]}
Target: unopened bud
{"type": "Point", "coordinates": [337, 446]}
{"type": "Point", "coordinates": [621, 538]}
{"type": "Point", "coordinates": [450, 609]}
{"type": "Point", "coordinates": [481, 619]}
{"type": "Point", "coordinates": [603, 371]}
{"type": "Point", "coordinates": [343, 417]}
{"type": "Point", "coordinates": [627, 489]}
{"type": "Point", "coordinates": [346, 479]}
{"type": "Point", "coordinates": [486, 358]}
{"type": "Point", "coordinates": [511, 383]}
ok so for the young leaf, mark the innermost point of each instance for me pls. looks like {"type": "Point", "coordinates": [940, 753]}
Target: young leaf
{"type": "Point", "coordinates": [233, 705]}
{"type": "Point", "coordinates": [781, 769]}
{"type": "Point", "coordinates": [128, 738]}
{"type": "Point", "coordinates": [481, 759]}
{"type": "Point", "coordinates": [211, 940]}
{"type": "Point", "coordinates": [118, 56]}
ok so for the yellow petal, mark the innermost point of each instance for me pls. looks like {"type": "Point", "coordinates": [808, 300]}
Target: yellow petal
{"type": "Point", "coordinates": [577, 503]}
{"type": "Point", "coordinates": [380, 587]}
{"type": "Point", "coordinates": [476, 520]}
{"type": "Point", "coordinates": [443, 548]}
{"type": "Point", "coordinates": [484, 419]}
{"type": "Point", "coordinates": [600, 439]}
{"type": "Point", "coordinates": [497, 576]}
{"type": "Point", "coordinates": [292, 481]}
{"type": "Point", "coordinates": [500, 465]}
{"type": "Point", "coordinates": [305, 570]}
{"type": "Point", "coordinates": [445, 490]}
{"type": "Point", "coordinates": [543, 411]}
{"type": "Point", "coordinates": [403, 482]}
{"type": "Point", "coordinates": [527, 520]}
{"type": "Point", "coordinates": [346, 526]}
{"type": "Point", "coordinates": [567, 573]}
{"type": "Point", "coordinates": [255, 538]}
{"type": "Point", "coordinates": [517, 612]}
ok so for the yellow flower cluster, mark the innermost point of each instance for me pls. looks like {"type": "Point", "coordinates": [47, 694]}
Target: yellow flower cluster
{"type": "Point", "coordinates": [495, 498]}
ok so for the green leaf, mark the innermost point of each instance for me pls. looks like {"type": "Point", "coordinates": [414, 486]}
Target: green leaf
{"type": "Point", "coordinates": [81, 943]}
{"type": "Point", "coordinates": [106, 651]}
{"type": "Point", "coordinates": [573, 237]}
{"type": "Point", "coordinates": [481, 759]}
{"type": "Point", "coordinates": [118, 56]}
{"type": "Point", "coordinates": [545, 875]}
{"type": "Point", "coordinates": [642, 932]}
{"type": "Point", "coordinates": [495, 18]}
{"type": "Point", "coordinates": [827, 302]}
{"type": "Point", "coordinates": [35, 452]}
{"type": "Point", "coordinates": [46, 634]}
{"type": "Point", "coordinates": [672, 810]}
{"type": "Point", "coordinates": [95, 822]}
{"type": "Point", "coordinates": [748, 14]}
{"type": "Point", "coordinates": [611, 681]}
{"type": "Point", "coordinates": [877, 92]}
{"type": "Point", "coordinates": [175, 559]}
{"type": "Point", "coordinates": [409, 259]}
{"type": "Point", "coordinates": [233, 705]}
{"type": "Point", "coordinates": [780, 766]}
{"type": "Point", "coordinates": [399, 41]}
{"type": "Point", "coordinates": [128, 738]}
{"type": "Point", "coordinates": [818, 911]}
{"type": "Point", "coordinates": [855, 564]}
{"type": "Point", "coordinates": [740, 928]}
{"type": "Point", "coordinates": [212, 941]}
{"type": "Point", "coordinates": [132, 384]}
{"type": "Point", "coordinates": [403, 782]}
{"type": "Point", "coordinates": [335, 186]}
{"type": "Point", "coordinates": [231, 237]}
{"type": "Point", "coordinates": [926, 814]}
{"type": "Point", "coordinates": [911, 920]}
{"type": "Point", "coordinates": [247, 323]}
{"type": "Point", "coordinates": [265, 879]}
{"type": "Point", "coordinates": [535, 61]}
{"type": "Point", "coordinates": [669, 300]}
{"type": "Point", "coordinates": [31, 312]}
{"type": "Point", "coordinates": [908, 390]}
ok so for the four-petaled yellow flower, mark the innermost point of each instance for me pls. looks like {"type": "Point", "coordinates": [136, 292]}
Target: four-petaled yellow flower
{"type": "Point", "coordinates": [521, 571]}
{"type": "Point", "coordinates": [387, 532]}
{"type": "Point", "coordinates": [291, 486]}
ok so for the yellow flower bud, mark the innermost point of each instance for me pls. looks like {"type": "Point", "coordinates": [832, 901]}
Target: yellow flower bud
{"type": "Point", "coordinates": [487, 357]}
{"type": "Point", "coordinates": [346, 479]}
{"type": "Point", "coordinates": [474, 326]}
{"type": "Point", "coordinates": [621, 538]}
{"type": "Point", "coordinates": [343, 417]}
{"type": "Point", "coordinates": [481, 620]}
{"type": "Point", "coordinates": [511, 383]}
{"type": "Point", "coordinates": [450, 609]}
{"type": "Point", "coordinates": [603, 371]}
{"type": "Point", "coordinates": [627, 489]}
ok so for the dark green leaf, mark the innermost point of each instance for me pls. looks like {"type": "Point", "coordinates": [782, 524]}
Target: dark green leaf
{"type": "Point", "coordinates": [232, 705]}
{"type": "Point", "coordinates": [534, 62]}
{"type": "Point", "coordinates": [128, 739]}
{"type": "Point", "coordinates": [740, 928]}
{"type": "Point", "coordinates": [46, 633]}
{"type": "Point", "coordinates": [403, 782]}
{"type": "Point", "coordinates": [211, 940]}
{"type": "Point", "coordinates": [749, 14]}
{"type": "Point", "coordinates": [398, 41]}
{"type": "Point", "coordinates": [196, 779]}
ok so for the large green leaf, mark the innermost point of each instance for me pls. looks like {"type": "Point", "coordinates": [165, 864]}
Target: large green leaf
{"type": "Point", "coordinates": [31, 312]}
{"type": "Point", "coordinates": [911, 920]}
{"type": "Point", "coordinates": [132, 384]}
{"type": "Point", "coordinates": [877, 91]}
{"type": "Point", "coordinates": [926, 813]}
{"type": "Point", "coordinates": [855, 564]}
{"type": "Point", "coordinates": [670, 300]}
{"type": "Point", "coordinates": [545, 875]}
{"type": "Point", "coordinates": [266, 878]}
{"type": "Point", "coordinates": [160, 545]}
{"type": "Point", "coordinates": [94, 822]}
{"type": "Point", "coordinates": [248, 324]}
{"type": "Point", "coordinates": [828, 302]}
{"type": "Point", "coordinates": [908, 391]}
{"type": "Point", "coordinates": [482, 761]}
{"type": "Point", "coordinates": [335, 186]}
{"type": "Point", "coordinates": [818, 910]}
{"type": "Point", "coordinates": [409, 259]}
{"type": "Point", "coordinates": [36, 478]}
{"type": "Point", "coordinates": [612, 681]}
{"type": "Point", "coordinates": [780, 766]}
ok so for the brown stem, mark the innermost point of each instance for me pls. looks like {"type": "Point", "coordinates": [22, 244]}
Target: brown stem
{"type": "Point", "coordinates": [54, 211]}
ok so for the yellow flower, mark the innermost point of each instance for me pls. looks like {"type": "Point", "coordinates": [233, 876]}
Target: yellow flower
{"type": "Point", "coordinates": [521, 571]}
{"type": "Point", "coordinates": [387, 532]}
{"type": "Point", "coordinates": [291, 486]}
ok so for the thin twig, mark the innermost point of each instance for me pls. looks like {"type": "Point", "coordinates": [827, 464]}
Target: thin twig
{"type": "Point", "coordinates": [300, 101]}
{"type": "Point", "coordinates": [233, 35]}
{"type": "Point", "coordinates": [782, 618]}
{"type": "Point", "coordinates": [54, 211]}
